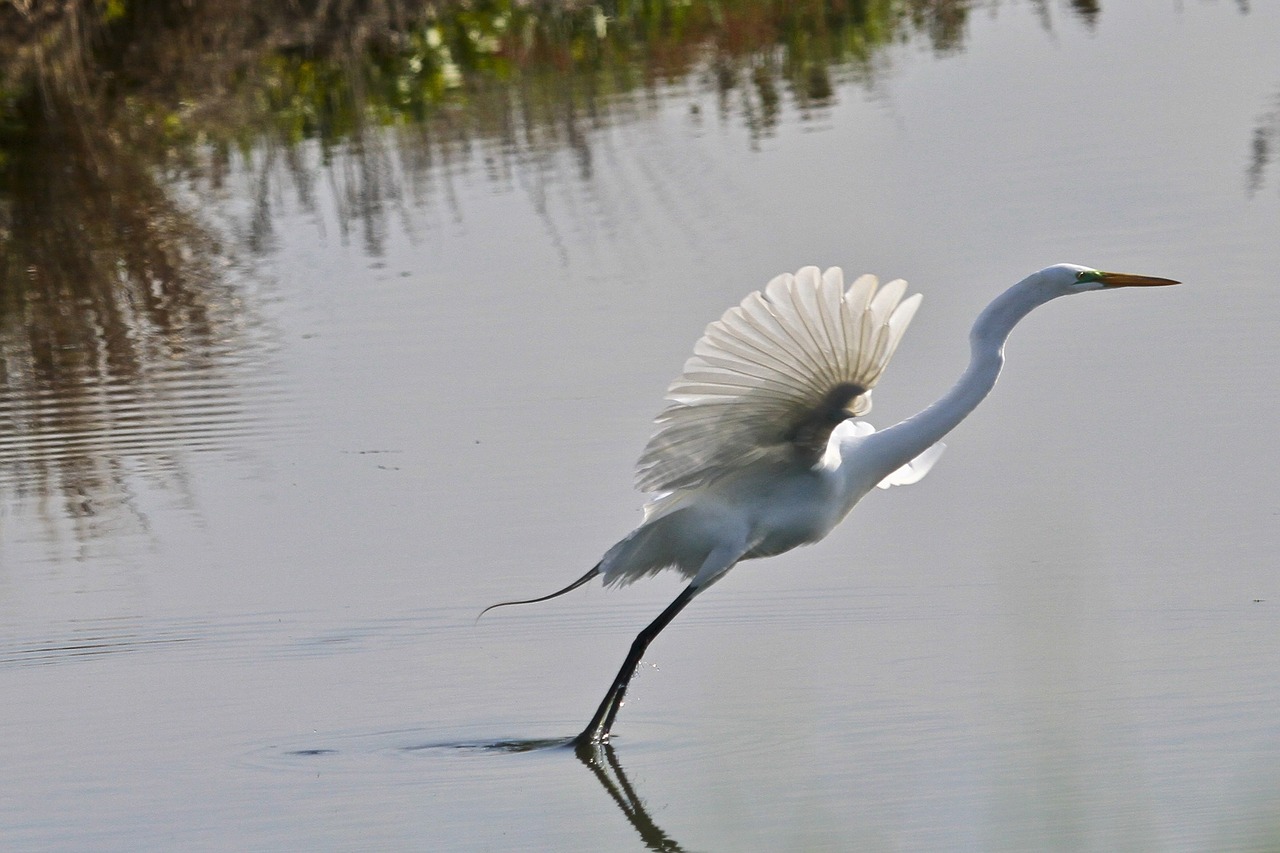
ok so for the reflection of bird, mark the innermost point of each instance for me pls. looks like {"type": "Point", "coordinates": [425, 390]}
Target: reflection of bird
{"type": "Point", "coordinates": [756, 453]}
{"type": "Point", "coordinates": [605, 766]}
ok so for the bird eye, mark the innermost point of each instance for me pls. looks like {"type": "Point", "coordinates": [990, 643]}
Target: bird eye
{"type": "Point", "coordinates": [1088, 275]}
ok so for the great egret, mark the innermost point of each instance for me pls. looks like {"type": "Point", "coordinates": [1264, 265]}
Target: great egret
{"type": "Point", "coordinates": [756, 451]}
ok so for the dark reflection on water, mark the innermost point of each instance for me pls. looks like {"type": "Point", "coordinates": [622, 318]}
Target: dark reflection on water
{"type": "Point", "coordinates": [110, 308]}
{"type": "Point", "coordinates": [121, 337]}
{"type": "Point", "coordinates": [604, 764]}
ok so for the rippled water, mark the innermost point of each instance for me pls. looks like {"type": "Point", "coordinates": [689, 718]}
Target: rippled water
{"type": "Point", "coordinates": [250, 509]}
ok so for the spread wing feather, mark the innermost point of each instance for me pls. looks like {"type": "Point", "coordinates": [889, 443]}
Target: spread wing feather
{"type": "Point", "coordinates": [774, 375]}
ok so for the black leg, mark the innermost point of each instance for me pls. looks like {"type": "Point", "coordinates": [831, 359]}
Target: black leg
{"type": "Point", "coordinates": [597, 731]}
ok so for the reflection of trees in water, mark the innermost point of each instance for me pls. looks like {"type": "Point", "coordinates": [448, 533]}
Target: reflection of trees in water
{"type": "Point", "coordinates": [108, 290]}
{"type": "Point", "coordinates": [118, 331]}
{"type": "Point", "coordinates": [1087, 11]}
{"type": "Point", "coordinates": [201, 86]}
{"type": "Point", "coordinates": [514, 86]}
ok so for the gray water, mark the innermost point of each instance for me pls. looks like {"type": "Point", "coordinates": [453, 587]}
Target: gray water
{"type": "Point", "coordinates": [238, 594]}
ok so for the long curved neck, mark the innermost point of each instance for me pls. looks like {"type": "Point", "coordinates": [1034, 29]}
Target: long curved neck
{"type": "Point", "coordinates": [901, 443]}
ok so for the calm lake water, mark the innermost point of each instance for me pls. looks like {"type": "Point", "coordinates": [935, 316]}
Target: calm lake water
{"type": "Point", "coordinates": [246, 526]}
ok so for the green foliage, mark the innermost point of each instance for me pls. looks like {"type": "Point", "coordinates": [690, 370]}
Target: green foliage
{"type": "Point", "coordinates": [110, 10]}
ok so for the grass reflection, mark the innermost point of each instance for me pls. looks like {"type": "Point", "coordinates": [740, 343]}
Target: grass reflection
{"type": "Point", "coordinates": [106, 281]}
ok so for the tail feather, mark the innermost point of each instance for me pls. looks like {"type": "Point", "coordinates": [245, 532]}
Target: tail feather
{"type": "Point", "coordinates": [570, 588]}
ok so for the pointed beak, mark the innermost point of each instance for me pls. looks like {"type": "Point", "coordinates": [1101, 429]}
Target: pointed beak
{"type": "Point", "coordinates": [1120, 279]}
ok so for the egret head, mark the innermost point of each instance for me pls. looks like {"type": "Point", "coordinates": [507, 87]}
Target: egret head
{"type": "Point", "coordinates": [1071, 278]}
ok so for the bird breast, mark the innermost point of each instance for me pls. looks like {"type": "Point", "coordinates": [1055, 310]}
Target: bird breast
{"type": "Point", "coordinates": [785, 509]}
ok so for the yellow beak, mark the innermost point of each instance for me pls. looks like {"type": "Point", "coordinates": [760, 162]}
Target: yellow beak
{"type": "Point", "coordinates": [1120, 279]}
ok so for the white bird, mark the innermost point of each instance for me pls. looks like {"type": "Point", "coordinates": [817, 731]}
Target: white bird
{"type": "Point", "coordinates": [757, 451]}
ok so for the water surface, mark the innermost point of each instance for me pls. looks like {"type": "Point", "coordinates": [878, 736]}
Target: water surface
{"type": "Point", "coordinates": [328, 379]}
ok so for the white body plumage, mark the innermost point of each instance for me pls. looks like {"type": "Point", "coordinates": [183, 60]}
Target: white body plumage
{"type": "Point", "coordinates": [765, 508]}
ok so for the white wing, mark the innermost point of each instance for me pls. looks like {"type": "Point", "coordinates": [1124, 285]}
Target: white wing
{"type": "Point", "coordinates": [774, 375]}
{"type": "Point", "coordinates": [914, 471]}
